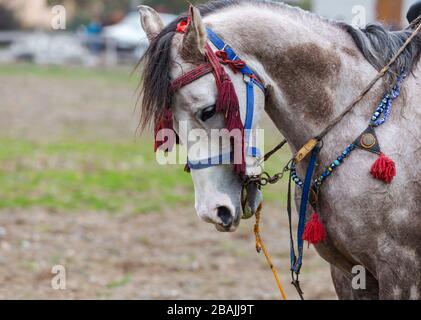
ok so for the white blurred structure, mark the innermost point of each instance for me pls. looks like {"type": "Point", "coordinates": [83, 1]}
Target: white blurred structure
{"type": "Point", "coordinates": [128, 34]}
{"type": "Point", "coordinates": [51, 48]}
{"type": "Point", "coordinates": [392, 12]}
{"type": "Point", "coordinates": [124, 42]}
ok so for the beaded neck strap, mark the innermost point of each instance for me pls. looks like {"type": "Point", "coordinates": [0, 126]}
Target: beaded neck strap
{"type": "Point", "coordinates": [383, 168]}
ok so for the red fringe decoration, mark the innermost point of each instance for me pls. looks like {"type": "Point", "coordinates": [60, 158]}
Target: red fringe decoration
{"type": "Point", "coordinates": [166, 122]}
{"type": "Point", "coordinates": [384, 169]}
{"type": "Point", "coordinates": [314, 231]}
{"type": "Point", "coordinates": [228, 104]}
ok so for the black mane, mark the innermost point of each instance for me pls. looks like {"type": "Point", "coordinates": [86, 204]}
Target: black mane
{"type": "Point", "coordinates": [379, 45]}
{"type": "Point", "coordinates": [157, 64]}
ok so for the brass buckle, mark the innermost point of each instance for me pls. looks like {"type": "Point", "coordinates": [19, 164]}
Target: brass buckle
{"type": "Point", "coordinates": [305, 151]}
{"type": "Point", "coordinates": [246, 78]}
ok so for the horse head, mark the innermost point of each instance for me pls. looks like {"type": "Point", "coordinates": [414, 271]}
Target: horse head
{"type": "Point", "coordinates": [193, 81]}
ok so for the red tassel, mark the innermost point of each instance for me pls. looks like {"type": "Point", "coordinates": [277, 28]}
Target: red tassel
{"type": "Point", "coordinates": [314, 231]}
{"type": "Point", "coordinates": [183, 25]}
{"type": "Point", "coordinates": [228, 104]}
{"type": "Point", "coordinates": [240, 168]}
{"type": "Point", "coordinates": [166, 122]}
{"type": "Point", "coordinates": [227, 98]}
{"type": "Point", "coordinates": [384, 169]}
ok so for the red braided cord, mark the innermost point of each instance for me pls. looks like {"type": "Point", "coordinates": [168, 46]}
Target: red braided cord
{"type": "Point", "coordinates": [190, 77]}
{"type": "Point", "coordinates": [235, 65]}
{"type": "Point", "coordinates": [212, 66]}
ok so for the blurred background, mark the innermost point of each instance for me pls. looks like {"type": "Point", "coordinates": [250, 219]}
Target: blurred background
{"type": "Point", "coordinates": [79, 186]}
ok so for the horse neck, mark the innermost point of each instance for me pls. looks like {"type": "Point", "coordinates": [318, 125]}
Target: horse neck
{"type": "Point", "coordinates": [311, 66]}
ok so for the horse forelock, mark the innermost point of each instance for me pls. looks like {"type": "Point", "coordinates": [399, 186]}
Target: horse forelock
{"type": "Point", "coordinates": [157, 62]}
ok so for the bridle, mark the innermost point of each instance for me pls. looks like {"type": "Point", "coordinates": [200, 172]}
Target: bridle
{"type": "Point", "coordinates": [227, 56]}
{"type": "Point", "coordinates": [227, 101]}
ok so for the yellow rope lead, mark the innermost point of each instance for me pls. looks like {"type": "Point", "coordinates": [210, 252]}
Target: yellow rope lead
{"type": "Point", "coordinates": [261, 246]}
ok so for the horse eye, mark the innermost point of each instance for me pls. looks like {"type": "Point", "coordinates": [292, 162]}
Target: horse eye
{"type": "Point", "coordinates": [207, 113]}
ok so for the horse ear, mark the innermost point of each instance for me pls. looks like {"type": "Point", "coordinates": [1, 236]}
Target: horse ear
{"type": "Point", "coordinates": [194, 42]}
{"type": "Point", "coordinates": [151, 22]}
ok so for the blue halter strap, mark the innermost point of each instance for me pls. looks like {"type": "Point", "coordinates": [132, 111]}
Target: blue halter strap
{"type": "Point", "coordinates": [251, 81]}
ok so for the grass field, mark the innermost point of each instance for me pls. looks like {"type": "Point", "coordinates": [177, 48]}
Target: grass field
{"type": "Point", "coordinates": [122, 76]}
{"type": "Point", "coordinates": [80, 186]}
{"type": "Point", "coordinates": [70, 172]}
{"type": "Point", "coordinates": [70, 175]}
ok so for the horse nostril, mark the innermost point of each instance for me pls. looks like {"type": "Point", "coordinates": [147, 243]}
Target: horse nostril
{"type": "Point", "coordinates": [225, 215]}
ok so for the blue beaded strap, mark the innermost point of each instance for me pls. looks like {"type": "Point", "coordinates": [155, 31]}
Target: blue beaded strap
{"type": "Point", "coordinates": [384, 108]}
{"type": "Point", "coordinates": [327, 173]}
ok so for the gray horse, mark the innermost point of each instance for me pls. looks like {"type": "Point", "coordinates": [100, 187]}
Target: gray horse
{"type": "Point", "coordinates": [312, 69]}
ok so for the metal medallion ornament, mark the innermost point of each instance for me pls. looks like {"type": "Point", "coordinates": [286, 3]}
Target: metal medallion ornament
{"type": "Point", "coordinates": [368, 141]}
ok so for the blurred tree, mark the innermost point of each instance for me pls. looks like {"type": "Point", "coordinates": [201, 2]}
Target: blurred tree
{"type": "Point", "coordinates": [111, 11]}
{"type": "Point", "coordinates": [172, 6]}
{"type": "Point", "coordinates": [7, 19]}
{"type": "Point", "coordinates": [178, 6]}
{"type": "Point", "coordinates": [305, 4]}
{"type": "Point", "coordinates": [106, 11]}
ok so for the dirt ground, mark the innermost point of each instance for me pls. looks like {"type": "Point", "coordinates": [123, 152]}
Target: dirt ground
{"type": "Point", "coordinates": [166, 255]}
{"type": "Point", "coordinates": [156, 256]}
